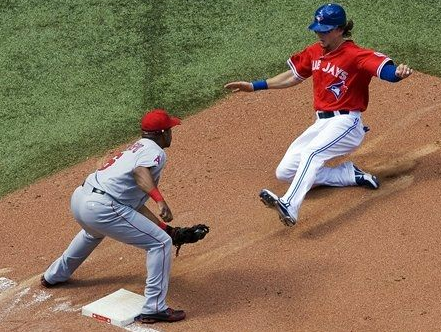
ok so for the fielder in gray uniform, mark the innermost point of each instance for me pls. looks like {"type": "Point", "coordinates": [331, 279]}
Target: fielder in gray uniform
{"type": "Point", "coordinates": [111, 202]}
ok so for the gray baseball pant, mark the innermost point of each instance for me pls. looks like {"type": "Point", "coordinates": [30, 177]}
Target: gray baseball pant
{"type": "Point", "coordinates": [100, 215]}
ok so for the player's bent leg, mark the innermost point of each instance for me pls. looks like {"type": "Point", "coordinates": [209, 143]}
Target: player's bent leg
{"type": "Point", "coordinates": [289, 164]}
{"type": "Point", "coordinates": [79, 249]}
{"type": "Point", "coordinates": [285, 174]}
{"type": "Point", "coordinates": [346, 174]}
{"type": "Point", "coordinates": [302, 182]}
{"type": "Point", "coordinates": [339, 176]}
{"type": "Point", "coordinates": [129, 226]}
{"type": "Point", "coordinates": [338, 136]}
{"type": "Point", "coordinates": [158, 268]}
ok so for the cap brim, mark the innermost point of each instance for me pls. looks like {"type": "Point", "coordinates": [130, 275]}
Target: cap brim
{"type": "Point", "coordinates": [174, 121]}
{"type": "Point", "coordinates": [317, 27]}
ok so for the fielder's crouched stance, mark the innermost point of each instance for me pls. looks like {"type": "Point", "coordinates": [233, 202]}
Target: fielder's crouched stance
{"type": "Point", "coordinates": [341, 72]}
{"type": "Point", "coordinates": [111, 202]}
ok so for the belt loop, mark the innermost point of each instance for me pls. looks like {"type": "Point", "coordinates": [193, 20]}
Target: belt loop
{"type": "Point", "coordinates": [98, 191]}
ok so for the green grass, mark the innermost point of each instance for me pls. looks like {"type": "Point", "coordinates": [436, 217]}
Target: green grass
{"type": "Point", "coordinates": [77, 75]}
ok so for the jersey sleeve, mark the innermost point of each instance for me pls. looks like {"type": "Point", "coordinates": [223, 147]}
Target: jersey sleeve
{"type": "Point", "coordinates": [371, 62]}
{"type": "Point", "coordinates": [150, 158]}
{"type": "Point", "coordinates": [300, 64]}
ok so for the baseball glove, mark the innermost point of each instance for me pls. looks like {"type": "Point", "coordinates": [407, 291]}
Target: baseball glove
{"type": "Point", "coordinates": [183, 235]}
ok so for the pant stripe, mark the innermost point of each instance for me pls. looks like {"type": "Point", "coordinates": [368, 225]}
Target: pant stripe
{"type": "Point", "coordinates": [163, 250]}
{"type": "Point", "coordinates": [308, 163]}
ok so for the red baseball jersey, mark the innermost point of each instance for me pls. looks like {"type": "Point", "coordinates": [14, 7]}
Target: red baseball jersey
{"type": "Point", "coordinates": [341, 77]}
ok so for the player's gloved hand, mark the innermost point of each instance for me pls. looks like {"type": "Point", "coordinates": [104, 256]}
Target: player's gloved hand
{"type": "Point", "coordinates": [239, 86]}
{"type": "Point", "coordinates": [165, 212]}
{"type": "Point", "coordinates": [403, 71]}
{"type": "Point", "coordinates": [183, 235]}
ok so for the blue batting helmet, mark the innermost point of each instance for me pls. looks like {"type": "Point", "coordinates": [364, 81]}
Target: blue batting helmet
{"type": "Point", "coordinates": [328, 17]}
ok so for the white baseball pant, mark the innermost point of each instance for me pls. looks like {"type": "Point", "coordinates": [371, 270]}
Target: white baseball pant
{"type": "Point", "coordinates": [303, 163]}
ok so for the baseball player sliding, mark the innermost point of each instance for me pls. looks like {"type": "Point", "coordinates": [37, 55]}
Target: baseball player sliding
{"type": "Point", "coordinates": [111, 202]}
{"type": "Point", "coordinates": [341, 73]}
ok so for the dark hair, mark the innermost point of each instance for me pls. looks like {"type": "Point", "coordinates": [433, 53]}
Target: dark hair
{"type": "Point", "coordinates": [347, 28]}
{"type": "Point", "coordinates": [152, 134]}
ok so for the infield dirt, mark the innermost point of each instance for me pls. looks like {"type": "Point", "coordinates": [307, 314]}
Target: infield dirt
{"type": "Point", "coordinates": [358, 259]}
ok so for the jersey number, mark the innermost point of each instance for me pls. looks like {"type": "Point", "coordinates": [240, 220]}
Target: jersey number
{"type": "Point", "coordinates": [111, 161]}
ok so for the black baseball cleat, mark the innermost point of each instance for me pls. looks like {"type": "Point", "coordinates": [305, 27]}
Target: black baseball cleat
{"type": "Point", "coordinates": [365, 179]}
{"type": "Point", "coordinates": [272, 201]}
{"type": "Point", "coordinates": [45, 283]}
{"type": "Point", "coordinates": [168, 315]}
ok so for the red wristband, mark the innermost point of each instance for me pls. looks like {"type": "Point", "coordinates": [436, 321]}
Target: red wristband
{"type": "Point", "coordinates": [156, 195]}
{"type": "Point", "coordinates": [162, 225]}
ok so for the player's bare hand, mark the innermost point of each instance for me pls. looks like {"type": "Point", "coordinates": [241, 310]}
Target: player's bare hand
{"type": "Point", "coordinates": [403, 71]}
{"type": "Point", "coordinates": [165, 212]}
{"type": "Point", "coordinates": [239, 86]}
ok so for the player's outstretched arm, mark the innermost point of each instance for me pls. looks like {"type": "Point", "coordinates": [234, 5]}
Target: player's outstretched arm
{"type": "Point", "coordinates": [280, 81]}
{"type": "Point", "coordinates": [283, 80]}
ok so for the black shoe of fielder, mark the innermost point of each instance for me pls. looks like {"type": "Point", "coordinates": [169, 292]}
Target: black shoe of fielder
{"type": "Point", "coordinates": [365, 179]}
{"type": "Point", "coordinates": [168, 315]}
{"type": "Point", "coordinates": [45, 283]}
{"type": "Point", "coordinates": [272, 201]}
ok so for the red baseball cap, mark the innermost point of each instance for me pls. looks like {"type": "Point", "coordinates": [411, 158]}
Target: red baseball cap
{"type": "Point", "coordinates": [157, 120]}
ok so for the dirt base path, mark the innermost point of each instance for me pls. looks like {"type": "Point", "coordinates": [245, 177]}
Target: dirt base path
{"type": "Point", "coordinates": [358, 260]}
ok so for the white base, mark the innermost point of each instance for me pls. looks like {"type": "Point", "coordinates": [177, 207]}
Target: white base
{"type": "Point", "coordinates": [119, 308]}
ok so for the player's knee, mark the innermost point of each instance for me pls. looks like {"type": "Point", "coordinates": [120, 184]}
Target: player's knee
{"type": "Point", "coordinates": [312, 159]}
{"type": "Point", "coordinates": [308, 155]}
{"type": "Point", "coordinates": [167, 242]}
{"type": "Point", "coordinates": [163, 242]}
{"type": "Point", "coordinates": [284, 174]}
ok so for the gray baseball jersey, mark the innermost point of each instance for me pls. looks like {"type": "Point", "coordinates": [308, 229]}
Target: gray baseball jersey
{"type": "Point", "coordinates": [116, 176]}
